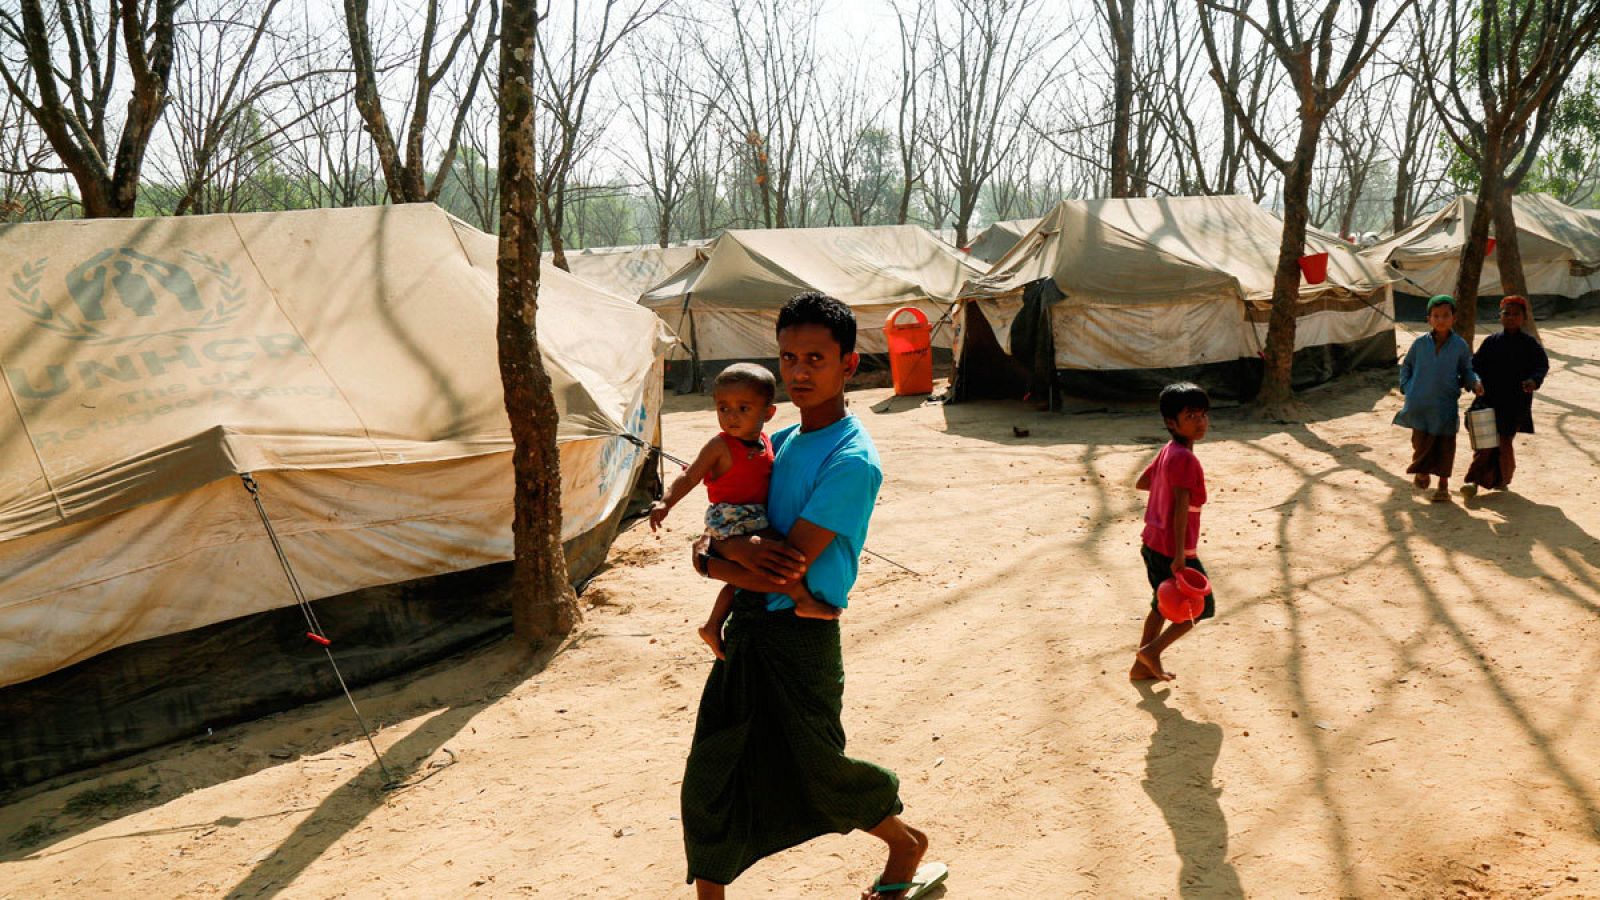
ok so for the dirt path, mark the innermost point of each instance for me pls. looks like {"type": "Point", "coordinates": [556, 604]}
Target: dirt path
{"type": "Point", "coordinates": [1396, 698]}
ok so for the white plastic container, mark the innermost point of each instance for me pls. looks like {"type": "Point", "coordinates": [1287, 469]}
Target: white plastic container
{"type": "Point", "coordinates": [1481, 430]}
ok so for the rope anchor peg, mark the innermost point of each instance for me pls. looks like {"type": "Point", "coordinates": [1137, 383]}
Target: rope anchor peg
{"type": "Point", "coordinates": [314, 630]}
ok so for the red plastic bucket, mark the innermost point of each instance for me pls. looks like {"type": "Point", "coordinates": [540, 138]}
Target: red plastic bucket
{"type": "Point", "coordinates": [1314, 266]}
{"type": "Point", "coordinates": [1182, 598]}
{"type": "Point", "coordinates": [910, 339]}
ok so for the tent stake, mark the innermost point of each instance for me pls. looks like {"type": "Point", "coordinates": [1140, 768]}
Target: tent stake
{"type": "Point", "coordinates": [314, 632]}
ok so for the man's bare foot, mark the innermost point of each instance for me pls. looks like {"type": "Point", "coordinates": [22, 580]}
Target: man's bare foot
{"type": "Point", "coordinates": [904, 858]}
{"type": "Point", "coordinates": [1152, 664]}
{"type": "Point", "coordinates": [812, 608]}
{"type": "Point", "coordinates": [713, 637]}
{"type": "Point", "coordinates": [1420, 481]}
{"type": "Point", "coordinates": [1442, 495]}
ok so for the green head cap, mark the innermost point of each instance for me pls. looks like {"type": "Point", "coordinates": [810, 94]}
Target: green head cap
{"type": "Point", "coordinates": [1441, 298]}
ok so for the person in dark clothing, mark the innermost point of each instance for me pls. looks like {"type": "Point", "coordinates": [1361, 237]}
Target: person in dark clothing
{"type": "Point", "coordinates": [1512, 365]}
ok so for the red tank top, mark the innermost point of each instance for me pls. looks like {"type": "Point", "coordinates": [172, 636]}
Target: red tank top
{"type": "Point", "coordinates": [747, 481]}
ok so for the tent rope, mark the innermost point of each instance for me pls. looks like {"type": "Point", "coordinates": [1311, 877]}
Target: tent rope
{"type": "Point", "coordinates": [646, 445]}
{"type": "Point", "coordinates": [314, 628]}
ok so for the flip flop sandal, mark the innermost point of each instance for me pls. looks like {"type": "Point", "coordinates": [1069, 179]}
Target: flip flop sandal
{"type": "Point", "coordinates": [928, 877]}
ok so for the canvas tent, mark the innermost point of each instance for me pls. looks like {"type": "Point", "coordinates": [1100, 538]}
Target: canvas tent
{"type": "Point", "coordinates": [347, 360]}
{"type": "Point", "coordinates": [629, 271]}
{"type": "Point", "coordinates": [998, 239]}
{"type": "Point", "coordinates": [1559, 245]}
{"type": "Point", "coordinates": [1116, 297]}
{"type": "Point", "coordinates": [724, 305]}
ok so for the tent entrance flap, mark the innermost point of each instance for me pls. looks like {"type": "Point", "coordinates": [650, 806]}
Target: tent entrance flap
{"type": "Point", "coordinates": [1033, 342]}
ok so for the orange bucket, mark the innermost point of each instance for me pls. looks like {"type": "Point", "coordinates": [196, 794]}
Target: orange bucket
{"type": "Point", "coordinates": [910, 339]}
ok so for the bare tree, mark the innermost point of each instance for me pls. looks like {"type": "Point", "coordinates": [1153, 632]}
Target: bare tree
{"type": "Point", "coordinates": [27, 168]}
{"type": "Point", "coordinates": [219, 123]}
{"type": "Point", "coordinates": [671, 121]}
{"type": "Point", "coordinates": [327, 160]}
{"type": "Point", "coordinates": [706, 175]}
{"type": "Point", "coordinates": [910, 102]}
{"type": "Point", "coordinates": [1119, 17]}
{"type": "Point", "coordinates": [765, 74]}
{"type": "Point", "coordinates": [1353, 135]}
{"type": "Point", "coordinates": [857, 161]}
{"type": "Point", "coordinates": [543, 605]}
{"type": "Point", "coordinates": [985, 62]}
{"type": "Point", "coordinates": [71, 55]}
{"type": "Point", "coordinates": [473, 190]}
{"type": "Point", "coordinates": [1206, 153]}
{"type": "Point", "coordinates": [1307, 51]}
{"type": "Point", "coordinates": [1496, 98]}
{"type": "Point", "coordinates": [403, 155]}
{"type": "Point", "coordinates": [566, 73]}
{"type": "Point", "coordinates": [1412, 150]}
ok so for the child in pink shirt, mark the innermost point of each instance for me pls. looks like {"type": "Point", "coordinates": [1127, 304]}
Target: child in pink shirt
{"type": "Point", "coordinates": [1177, 486]}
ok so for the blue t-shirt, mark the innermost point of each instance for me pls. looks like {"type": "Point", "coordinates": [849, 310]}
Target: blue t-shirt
{"type": "Point", "coordinates": [830, 478]}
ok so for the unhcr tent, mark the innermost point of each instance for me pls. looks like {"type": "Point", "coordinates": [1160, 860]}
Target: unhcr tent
{"type": "Point", "coordinates": [629, 271]}
{"type": "Point", "coordinates": [1559, 245]}
{"type": "Point", "coordinates": [724, 305]}
{"type": "Point", "coordinates": [346, 361]}
{"type": "Point", "coordinates": [998, 239]}
{"type": "Point", "coordinates": [1116, 297]}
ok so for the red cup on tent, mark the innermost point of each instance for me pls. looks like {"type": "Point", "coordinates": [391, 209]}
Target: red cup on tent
{"type": "Point", "coordinates": [1314, 266]}
{"type": "Point", "coordinates": [1488, 246]}
{"type": "Point", "coordinates": [1182, 598]}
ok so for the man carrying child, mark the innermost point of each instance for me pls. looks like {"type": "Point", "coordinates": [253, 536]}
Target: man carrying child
{"type": "Point", "coordinates": [767, 769]}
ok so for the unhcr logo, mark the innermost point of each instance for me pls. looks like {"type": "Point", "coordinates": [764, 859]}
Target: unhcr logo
{"type": "Point", "coordinates": [122, 295]}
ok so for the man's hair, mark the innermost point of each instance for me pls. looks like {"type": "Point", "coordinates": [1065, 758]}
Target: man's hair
{"type": "Point", "coordinates": [757, 378]}
{"type": "Point", "coordinates": [1175, 398]}
{"type": "Point", "coordinates": [817, 308]}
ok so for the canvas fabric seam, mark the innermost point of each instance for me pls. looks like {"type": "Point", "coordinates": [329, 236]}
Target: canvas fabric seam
{"type": "Point", "coordinates": [273, 290]}
{"type": "Point", "coordinates": [44, 471]}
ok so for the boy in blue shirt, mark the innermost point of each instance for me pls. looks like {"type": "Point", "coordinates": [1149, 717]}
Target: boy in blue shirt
{"type": "Point", "coordinates": [1437, 368]}
{"type": "Point", "coordinates": [767, 769]}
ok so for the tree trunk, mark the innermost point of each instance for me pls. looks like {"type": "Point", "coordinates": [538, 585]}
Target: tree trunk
{"type": "Point", "coordinates": [1119, 13]}
{"type": "Point", "coordinates": [966, 205]}
{"type": "Point", "coordinates": [1508, 254]}
{"type": "Point", "coordinates": [1277, 387]}
{"type": "Point", "coordinates": [553, 214]}
{"type": "Point", "coordinates": [543, 606]}
{"type": "Point", "coordinates": [1398, 217]}
{"type": "Point", "coordinates": [1472, 253]}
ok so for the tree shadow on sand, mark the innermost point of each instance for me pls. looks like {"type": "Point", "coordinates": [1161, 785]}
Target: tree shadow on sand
{"type": "Point", "coordinates": [1178, 777]}
{"type": "Point", "coordinates": [499, 668]}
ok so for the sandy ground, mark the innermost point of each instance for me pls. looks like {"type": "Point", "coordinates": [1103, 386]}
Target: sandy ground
{"type": "Point", "coordinates": [1395, 700]}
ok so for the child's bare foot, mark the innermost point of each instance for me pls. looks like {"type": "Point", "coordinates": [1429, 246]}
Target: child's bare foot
{"type": "Point", "coordinates": [1420, 481]}
{"type": "Point", "coordinates": [812, 608]}
{"type": "Point", "coordinates": [1152, 664]}
{"type": "Point", "coordinates": [1140, 671]}
{"type": "Point", "coordinates": [713, 638]}
{"type": "Point", "coordinates": [1442, 495]}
